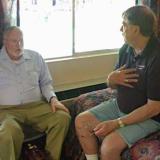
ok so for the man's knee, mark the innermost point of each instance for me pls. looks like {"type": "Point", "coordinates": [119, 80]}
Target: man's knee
{"type": "Point", "coordinates": [112, 144]}
{"type": "Point", "coordinates": [62, 118]}
{"type": "Point", "coordinates": [79, 120]}
{"type": "Point", "coordinates": [84, 124]}
{"type": "Point", "coordinates": [11, 129]}
{"type": "Point", "coordinates": [86, 120]}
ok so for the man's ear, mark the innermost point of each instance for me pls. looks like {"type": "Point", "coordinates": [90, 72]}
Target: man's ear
{"type": "Point", "coordinates": [136, 30]}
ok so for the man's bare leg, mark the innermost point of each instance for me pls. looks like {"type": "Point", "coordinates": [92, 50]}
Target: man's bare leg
{"type": "Point", "coordinates": [112, 146]}
{"type": "Point", "coordinates": [85, 123]}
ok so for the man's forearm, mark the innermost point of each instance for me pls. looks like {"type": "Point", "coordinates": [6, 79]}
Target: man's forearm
{"type": "Point", "coordinates": [142, 113]}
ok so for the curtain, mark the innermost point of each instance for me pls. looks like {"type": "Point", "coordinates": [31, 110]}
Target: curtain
{"type": "Point", "coordinates": [155, 6]}
{"type": "Point", "coordinates": [9, 15]}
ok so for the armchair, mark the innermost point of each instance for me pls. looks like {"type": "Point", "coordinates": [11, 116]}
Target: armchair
{"type": "Point", "coordinates": [145, 149]}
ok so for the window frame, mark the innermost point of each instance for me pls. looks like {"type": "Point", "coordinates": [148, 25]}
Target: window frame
{"type": "Point", "coordinates": [79, 54]}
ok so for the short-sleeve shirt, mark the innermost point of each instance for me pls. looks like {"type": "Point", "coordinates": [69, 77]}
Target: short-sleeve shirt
{"type": "Point", "coordinates": [148, 85]}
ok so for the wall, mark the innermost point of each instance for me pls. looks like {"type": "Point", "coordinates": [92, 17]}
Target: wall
{"type": "Point", "coordinates": [70, 73]}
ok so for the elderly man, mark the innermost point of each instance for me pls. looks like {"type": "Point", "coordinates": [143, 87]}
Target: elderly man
{"type": "Point", "coordinates": [27, 97]}
{"type": "Point", "coordinates": [135, 112]}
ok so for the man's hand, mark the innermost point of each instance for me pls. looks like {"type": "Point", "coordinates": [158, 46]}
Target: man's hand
{"type": "Point", "coordinates": [123, 76]}
{"type": "Point", "coordinates": [57, 105]}
{"type": "Point", "coordinates": [104, 128]}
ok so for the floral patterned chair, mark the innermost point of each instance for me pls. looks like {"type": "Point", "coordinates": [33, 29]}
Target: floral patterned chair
{"type": "Point", "coordinates": [145, 149]}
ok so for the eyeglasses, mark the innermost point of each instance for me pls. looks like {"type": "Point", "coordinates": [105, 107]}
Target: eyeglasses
{"type": "Point", "coordinates": [14, 41]}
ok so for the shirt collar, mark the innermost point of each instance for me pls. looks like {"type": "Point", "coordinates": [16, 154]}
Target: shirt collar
{"type": "Point", "coordinates": [147, 49]}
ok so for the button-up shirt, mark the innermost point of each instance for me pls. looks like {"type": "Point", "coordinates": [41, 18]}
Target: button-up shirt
{"type": "Point", "coordinates": [24, 81]}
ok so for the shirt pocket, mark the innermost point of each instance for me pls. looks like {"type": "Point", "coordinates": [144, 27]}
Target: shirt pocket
{"type": "Point", "coordinates": [32, 78]}
{"type": "Point", "coordinates": [32, 75]}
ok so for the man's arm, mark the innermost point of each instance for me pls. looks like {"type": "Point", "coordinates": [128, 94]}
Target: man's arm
{"type": "Point", "coordinates": [47, 88]}
{"type": "Point", "coordinates": [147, 111]}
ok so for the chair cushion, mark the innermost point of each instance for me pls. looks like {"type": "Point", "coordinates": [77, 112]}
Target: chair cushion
{"type": "Point", "coordinates": [91, 99]}
{"type": "Point", "coordinates": [144, 149]}
{"type": "Point", "coordinates": [147, 148]}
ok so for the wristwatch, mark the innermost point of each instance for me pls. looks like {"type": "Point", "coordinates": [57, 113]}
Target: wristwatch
{"type": "Point", "coordinates": [120, 123]}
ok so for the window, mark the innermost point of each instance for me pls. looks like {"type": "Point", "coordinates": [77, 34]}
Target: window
{"type": "Point", "coordinates": [60, 28]}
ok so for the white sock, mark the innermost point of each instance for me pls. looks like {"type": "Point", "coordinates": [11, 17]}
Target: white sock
{"type": "Point", "coordinates": [91, 156]}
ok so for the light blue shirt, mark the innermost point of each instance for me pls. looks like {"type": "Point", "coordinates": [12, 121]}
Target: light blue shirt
{"type": "Point", "coordinates": [27, 80]}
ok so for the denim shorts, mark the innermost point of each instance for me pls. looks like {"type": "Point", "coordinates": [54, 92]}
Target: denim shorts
{"type": "Point", "coordinates": [109, 110]}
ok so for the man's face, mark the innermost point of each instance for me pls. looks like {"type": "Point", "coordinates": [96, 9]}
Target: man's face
{"type": "Point", "coordinates": [13, 43]}
{"type": "Point", "coordinates": [128, 31]}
